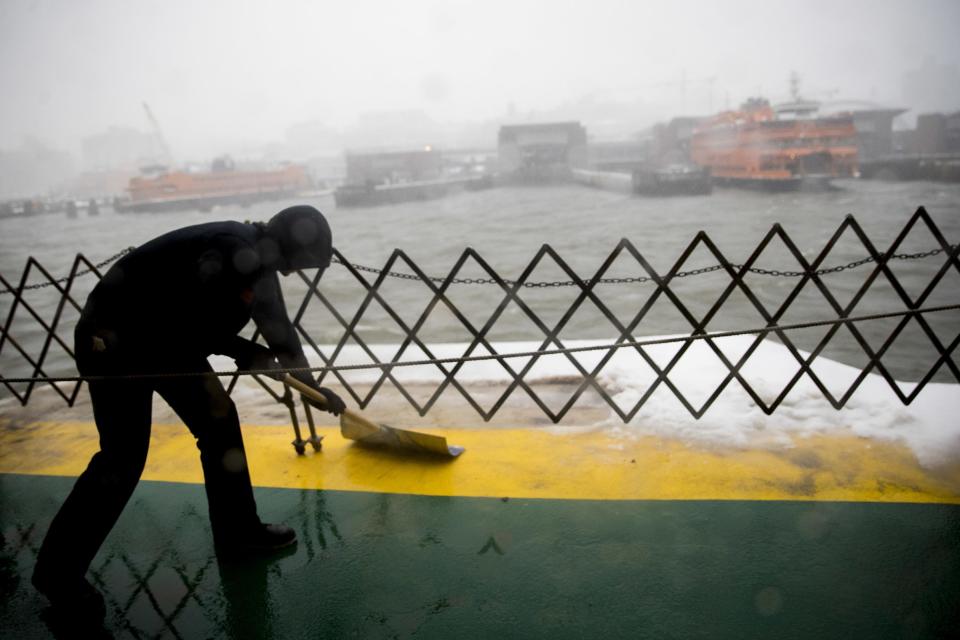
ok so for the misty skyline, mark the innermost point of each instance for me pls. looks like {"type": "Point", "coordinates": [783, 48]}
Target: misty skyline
{"type": "Point", "coordinates": [223, 74]}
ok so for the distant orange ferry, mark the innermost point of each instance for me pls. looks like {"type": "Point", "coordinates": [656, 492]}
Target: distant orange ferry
{"type": "Point", "coordinates": [756, 147]}
{"type": "Point", "coordinates": [223, 184]}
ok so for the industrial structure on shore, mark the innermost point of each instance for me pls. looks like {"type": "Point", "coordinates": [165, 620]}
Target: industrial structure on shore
{"type": "Point", "coordinates": [541, 152]}
{"type": "Point", "coordinates": [799, 143]}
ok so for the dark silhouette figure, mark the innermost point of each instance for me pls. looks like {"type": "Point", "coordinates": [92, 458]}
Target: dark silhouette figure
{"type": "Point", "coordinates": [162, 309]}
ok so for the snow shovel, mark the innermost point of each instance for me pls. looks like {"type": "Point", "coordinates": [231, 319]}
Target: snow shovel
{"type": "Point", "coordinates": [355, 427]}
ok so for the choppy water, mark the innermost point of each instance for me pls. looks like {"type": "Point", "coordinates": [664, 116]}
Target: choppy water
{"type": "Point", "coordinates": [507, 227]}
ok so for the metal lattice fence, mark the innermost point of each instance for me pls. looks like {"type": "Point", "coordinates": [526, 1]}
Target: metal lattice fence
{"type": "Point", "coordinates": [498, 294]}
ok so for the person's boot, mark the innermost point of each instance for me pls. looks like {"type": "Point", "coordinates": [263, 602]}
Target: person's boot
{"type": "Point", "coordinates": [267, 538]}
{"type": "Point", "coordinates": [71, 596]}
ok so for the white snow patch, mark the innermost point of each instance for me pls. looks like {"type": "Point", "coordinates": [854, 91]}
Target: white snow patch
{"type": "Point", "coordinates": [930, 426]}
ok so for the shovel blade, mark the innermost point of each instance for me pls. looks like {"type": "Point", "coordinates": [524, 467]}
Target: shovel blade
{"type": "Point", "coordinates": [355, 427]}
{"type": "Point", "coordinates": [358, 428]}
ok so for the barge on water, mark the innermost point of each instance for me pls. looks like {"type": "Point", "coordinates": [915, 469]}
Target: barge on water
{"type": "Point", "coordinates": [669, 180]}
{"type": "Point", "coordinates": [678, 179]}
{"type": "Point", "coordinates": [390, 177]}
{"type": "Point", "coordinates": [160, 190]}
{"type": "Point", "coordinates": [370, 195]}
{"type": "Point", "coordinates": [620, 181]}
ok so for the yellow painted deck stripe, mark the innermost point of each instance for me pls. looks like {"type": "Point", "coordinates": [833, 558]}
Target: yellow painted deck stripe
{"type": "Point", "coordinates": [524, 463]}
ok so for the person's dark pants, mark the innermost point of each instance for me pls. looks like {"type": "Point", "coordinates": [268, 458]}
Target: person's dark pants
{"type": "Point", "coordinates": [122, 410]}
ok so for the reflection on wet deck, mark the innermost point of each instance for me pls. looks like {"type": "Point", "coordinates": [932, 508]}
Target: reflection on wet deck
{"type": "Point", "coordinates": [379, 565]}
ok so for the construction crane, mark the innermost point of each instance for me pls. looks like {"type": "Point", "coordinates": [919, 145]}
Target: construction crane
{"type": "Point", "coordinates": [158, 133]}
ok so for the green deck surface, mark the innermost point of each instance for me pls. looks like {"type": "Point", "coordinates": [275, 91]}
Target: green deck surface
{"type": "Point", "coordinates": [374, 565]}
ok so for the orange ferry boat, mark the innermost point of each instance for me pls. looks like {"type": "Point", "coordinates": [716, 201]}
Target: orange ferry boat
{"type": "Point", "coordinates": [758, 147]}
{"type": "Point", "coordinates": [160, 190]}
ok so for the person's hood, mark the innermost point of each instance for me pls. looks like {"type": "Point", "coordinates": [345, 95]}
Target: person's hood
{"type": "Point", "coordinates": [303, 239]}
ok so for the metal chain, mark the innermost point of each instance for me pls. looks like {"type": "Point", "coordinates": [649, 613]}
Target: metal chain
{"type": "Point", "coordinates": [387, 366]}
{"type": "Point", "coordinates": [643, 279]}
{"type": "Point", "coordinates": [50, 283]}
{"type": "Point", "coordinates": [557, 283]}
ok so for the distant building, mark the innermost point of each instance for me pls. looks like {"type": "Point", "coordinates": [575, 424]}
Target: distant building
{"type": "Point", "coordinates": [932, 87]}
{"type": "Point", "coordinates": [672, 140]}
{"type": "Point", "coordinates": [937, 133]}
{"type": "Point", "coordinates": [874, 125]}
{"type": "Point", "coordinates": [311, 139]}
{"type": "Point", "coordinates": [119, 148]}
{"type": "Point", "coordinates": [404, 129]}
{"type": "Point", "coordinates": [100, 184]}
{"type": "Point", "coordinates": [621, 155]}
{"type": "Point", "coordinates": [930, 136]}
{"type": "Point", "coordinates": [327, 171]}
{"type": "Point", "coordinates": [391, 167]}
{"type": "Point", "coordinates": [953, 132]}
{"type": "Point", "coordinates": [874, 132]}
{"type": "Point", "coordinates": [34, 169]}
{"type": "Point", "coordinates": [928, 152]}
{"type": "Point", "coordinates": [668, 142]}
{"type": "Point", "coordinates": [542, 151]}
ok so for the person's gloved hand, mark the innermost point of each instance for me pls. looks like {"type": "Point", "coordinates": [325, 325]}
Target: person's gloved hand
{"type": "Point", "coordinates": [259, 358]}
{"type": "Point", "coordinates": [334, 404]}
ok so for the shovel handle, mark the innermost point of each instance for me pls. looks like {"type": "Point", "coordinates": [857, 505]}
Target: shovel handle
{"type": "Point", "coordinates": [305, 389]}
{"type": "Point", "coordinates": [353, 423]}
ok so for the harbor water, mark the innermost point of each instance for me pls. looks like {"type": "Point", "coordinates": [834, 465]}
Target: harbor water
{"type": "Point", "coordinates": [507, 227]}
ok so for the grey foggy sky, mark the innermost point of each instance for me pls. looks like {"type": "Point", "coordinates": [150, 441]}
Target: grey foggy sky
{"type": "Point", "coordinates": [227, 70]}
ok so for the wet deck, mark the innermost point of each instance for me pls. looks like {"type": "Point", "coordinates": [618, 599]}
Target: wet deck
{"type": "Point", "coordinates": [531, 533]}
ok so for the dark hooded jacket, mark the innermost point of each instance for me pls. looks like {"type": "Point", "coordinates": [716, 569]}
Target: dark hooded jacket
{"type": "Point", "coordinates": [189, 292]}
